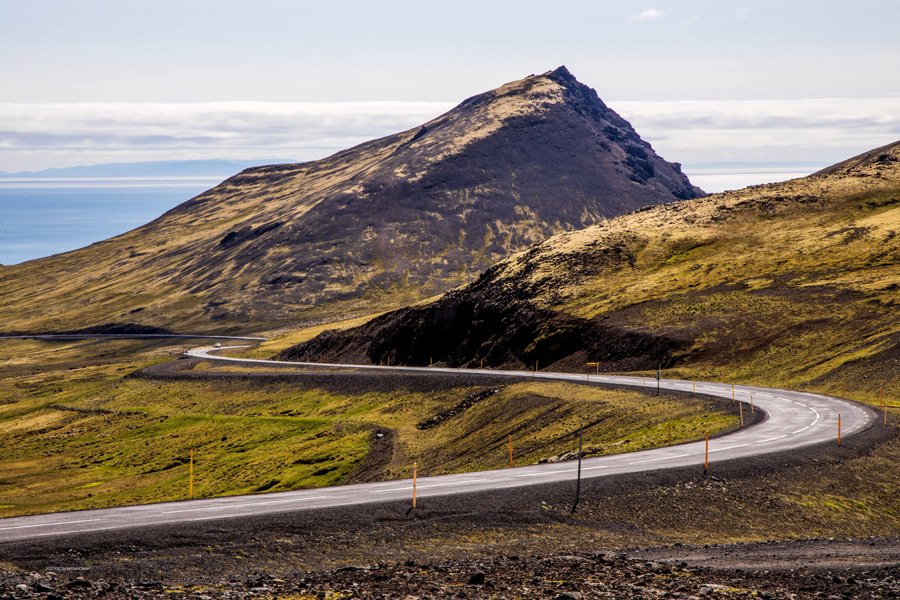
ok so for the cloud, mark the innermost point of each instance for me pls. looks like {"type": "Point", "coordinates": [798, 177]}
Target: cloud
{"type": "Point", "coordinates": [36, 136]}
{"type": "Point", "coordinates": [820, 130]}
{"type": "Point", "coordinates": [648, 15]}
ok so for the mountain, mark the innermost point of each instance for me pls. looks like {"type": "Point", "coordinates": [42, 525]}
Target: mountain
{"type": "Point", "coordinates": [795, 282]}
{"type": "Point", "coordinates": [159, 168]}
{"type": "Point", "coordinates": [387, 223]}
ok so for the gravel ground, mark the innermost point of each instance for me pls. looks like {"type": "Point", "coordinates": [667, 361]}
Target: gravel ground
{"type": "Point", "coordinates": [560, 577]}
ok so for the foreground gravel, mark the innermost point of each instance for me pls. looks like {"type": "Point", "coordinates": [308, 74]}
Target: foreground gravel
{"type": "Point", "coordinates": [559, 577]}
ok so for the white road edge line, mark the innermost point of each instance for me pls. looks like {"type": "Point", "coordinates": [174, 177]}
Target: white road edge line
{"type": "Point", "coordinates": [49, 524]}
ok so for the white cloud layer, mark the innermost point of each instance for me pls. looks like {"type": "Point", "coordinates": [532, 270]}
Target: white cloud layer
{"type": "Point", "coordinates": [648, 15]}
{"type": "Point", "coordinates": [36, 136]}
{"type": "Point", "coordinates": [767, 131]}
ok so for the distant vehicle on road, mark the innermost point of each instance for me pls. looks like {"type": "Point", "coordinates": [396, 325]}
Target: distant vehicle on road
{"type": "Point", "coordinates": [218, 345]}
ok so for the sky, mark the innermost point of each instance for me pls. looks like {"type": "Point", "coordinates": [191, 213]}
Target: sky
{"type": "Point", "coordinates": [93, 81]}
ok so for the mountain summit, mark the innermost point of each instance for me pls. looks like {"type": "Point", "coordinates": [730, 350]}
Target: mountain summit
{"type": "Point", "coordinates": [385, 223]}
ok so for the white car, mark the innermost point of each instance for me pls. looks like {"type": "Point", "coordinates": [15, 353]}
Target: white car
{"type": "Point", "coordinates": [218, 345]}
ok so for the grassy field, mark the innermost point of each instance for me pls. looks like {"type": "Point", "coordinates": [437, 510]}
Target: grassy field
{"type": "Point", "coordinates": [77, 432]}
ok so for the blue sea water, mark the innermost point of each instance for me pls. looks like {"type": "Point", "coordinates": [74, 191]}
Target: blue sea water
{"type": "Point", "coordinates": [40, 217]}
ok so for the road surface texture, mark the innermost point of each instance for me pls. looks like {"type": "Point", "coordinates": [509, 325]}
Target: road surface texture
{"type": "Point", "coordinates": [794, 420]}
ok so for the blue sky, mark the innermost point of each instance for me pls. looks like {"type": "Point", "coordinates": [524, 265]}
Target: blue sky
{"type": "Point", "coordinates": [97, 81]}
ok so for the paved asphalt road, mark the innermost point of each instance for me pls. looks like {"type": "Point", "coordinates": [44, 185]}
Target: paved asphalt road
{"type": "Point", "coordinates": [795, 419]}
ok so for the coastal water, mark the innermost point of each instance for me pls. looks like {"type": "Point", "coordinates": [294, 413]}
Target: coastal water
{"type": "Point", "coordinates": [40, 217]}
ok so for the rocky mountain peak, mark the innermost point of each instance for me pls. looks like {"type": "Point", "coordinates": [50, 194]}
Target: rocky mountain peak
{"type": "Point", "coordinates": [385, 223]}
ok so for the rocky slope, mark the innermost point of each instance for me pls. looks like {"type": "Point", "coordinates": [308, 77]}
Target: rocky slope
{"type": "Point", "coordinates": [794, 282]}
{"type": "Point", "coordinates": [389, 222]}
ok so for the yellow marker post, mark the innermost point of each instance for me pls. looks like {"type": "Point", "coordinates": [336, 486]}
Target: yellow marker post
{"type": "Point", "coordinates": [431, 361]}
{"type": "Point", "coordinates": [191, 480]}
{"type": "Point", "coordinates": [733, 399]}
{"type": "Point", "coordinates": [839, 430]}
{"type": "Point", "coordinates": [741, 408]}
{"type": "Point", "coordinates": [415, 476]}
{"type": "Point", "coordinates": [668, 433]}
{"type": "Point", "coordinates": [510, 451]}
{"type": "Point", "coordinates": [693, 388]}
{"type": "Point", "coordinates": [706, 457]}
{"type": "Point", "coordinates": [883, 408]}
{"type": "Point", "coordinates": [752, 410]}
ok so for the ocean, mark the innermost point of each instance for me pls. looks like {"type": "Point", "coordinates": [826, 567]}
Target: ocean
{"type": "Point", "coordinates": [40, 217]}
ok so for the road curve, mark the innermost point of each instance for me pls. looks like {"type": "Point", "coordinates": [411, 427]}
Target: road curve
{"type": "Point", "coordinates": [795, 420]}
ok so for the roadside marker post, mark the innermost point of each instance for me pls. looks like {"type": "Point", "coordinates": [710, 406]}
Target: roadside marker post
{"type": "Point", "coordinates": [415, 477]}
{"type": "Point", "coordinates": [658, 377]}
{"type": "Point", "coordinates": [839, 430]}
{"type": "Point", "coordinates": [733, 399]}
{"type": "Point", "coordinates": [668, 433]}
{"type": "Point", "coordinates": [482, 363]}
{"type": "Point", "coordinates": [706, 457]}
{"type": "Point", "coordinates": [191, 479]}
{"type": "Point", "coordinates": [752, 410]}
{"type": "Point", "coordinates": [509, 439]}
{"type": "Point", "coordinates": [884, 408]}
{"type": "Point", "coordinates": [578, 481]}
{"type": "Point", "coordinates": [693, 388]}
{"type": "Point", "coordinates": [741, 408]}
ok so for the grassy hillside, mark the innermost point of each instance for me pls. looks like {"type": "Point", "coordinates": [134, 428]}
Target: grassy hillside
{"type": "Point", "coordinates": [794, 284]}
{"type": "Point", "coordinates": [77, 432]}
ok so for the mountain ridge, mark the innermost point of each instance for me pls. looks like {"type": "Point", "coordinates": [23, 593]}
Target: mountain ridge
{"type": "Point", "coordinates": [385, 223]}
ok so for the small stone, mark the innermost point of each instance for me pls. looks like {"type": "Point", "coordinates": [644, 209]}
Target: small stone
{"type": "Point", "coordinates": [79, 583]}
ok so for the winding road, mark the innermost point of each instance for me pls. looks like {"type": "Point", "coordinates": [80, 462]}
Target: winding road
{"type": "Point", "coordinates": [794, 420]}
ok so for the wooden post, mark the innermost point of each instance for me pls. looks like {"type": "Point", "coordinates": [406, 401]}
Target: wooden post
{"type": "Point", "coordinates": [191, 482]}
{"type": "Point", "coordinates": [883, 408]}
{"type": "Point", "coordinates": [752, 410]}
{"type": "Point", "coordinates": [741, 408]}
{"type": "Point", "coordinates": [431, 362]}
{"type": "Point", "coordinates": [733, 399]}
{"type": "Point", "coordinates": [415, 477]}
{"type": "Point", "coordinates": [693, 388]}
{"type": "Point", "coordinates": [668, 433]}
{"type": "Point", "coordinates": [839, 430]}
{"type": "Point", "coordinates": [482, 363]}
{"type": "Point", "coordinates": [706, 457]}
{"type": "Point", "coordinates": [510, 451]}
{"type": "Point", "coordinates": [578, 482]}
